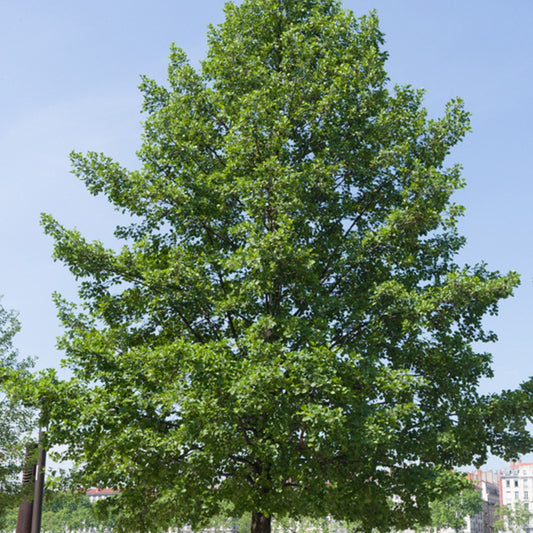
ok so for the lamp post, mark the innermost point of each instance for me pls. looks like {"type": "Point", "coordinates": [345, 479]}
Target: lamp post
{"type": "Point", "coordinates": [30, 510]}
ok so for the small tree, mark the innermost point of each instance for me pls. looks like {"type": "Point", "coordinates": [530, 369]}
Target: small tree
{"type": "Point", "coordinates": [453, 510]}
{"type": "Point", "coordinates": [285, 331]}
{"type": "Point", "coordinates": [513, 518]}
{"type": "Point", "coordinates": [15, 419]}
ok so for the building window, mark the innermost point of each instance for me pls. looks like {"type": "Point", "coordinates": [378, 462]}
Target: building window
{"type": "Point", "coordinates": [516, 495]}
{"type": "Point", "coordinates": [526, 497]}
{"type": "Point", "coordinates": [507, 483]}
{"type": "Point", "coordinates": [516, 482]}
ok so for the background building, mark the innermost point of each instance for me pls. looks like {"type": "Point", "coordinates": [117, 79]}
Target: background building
{"type": "Point", "coordinates": [97, 494]}
{"type": "Point", "coordinates": [488, 484]}
{"type": "Point", "coordinates": [516, 490]}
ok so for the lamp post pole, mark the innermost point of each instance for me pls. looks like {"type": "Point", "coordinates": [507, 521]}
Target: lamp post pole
{"type": "Point", "coordinates": [37, 510]}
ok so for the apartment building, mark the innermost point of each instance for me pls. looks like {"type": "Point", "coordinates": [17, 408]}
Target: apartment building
{"type": "Point", "coordinates": [516, 489]}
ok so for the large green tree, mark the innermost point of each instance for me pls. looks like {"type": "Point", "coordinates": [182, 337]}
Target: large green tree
{"type": "Point", "coordinates": [285, 330]}
{"type": "Point", "coordinates": [15, 419]}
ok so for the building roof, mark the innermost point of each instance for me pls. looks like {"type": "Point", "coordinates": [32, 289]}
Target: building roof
{"type": "Point", "coordinates": [100, 492]}
{"type": "Point", "coordinates": [519, 464]}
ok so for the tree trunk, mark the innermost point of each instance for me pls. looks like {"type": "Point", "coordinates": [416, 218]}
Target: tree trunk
{"type": "Point", "coordinates": [260, 523]}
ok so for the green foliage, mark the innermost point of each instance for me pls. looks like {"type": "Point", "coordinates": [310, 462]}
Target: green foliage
{"type": "Point", "coordinates": [513, 518]}
{"type": "Point", "coordinates": [67, 511]}
{"type": "Point", "coordinates": [64, 511]}
{"type": "Point", "coordinates": [9, 518]}
{"type": "Point", "coordinates": [15, 419]}
{"type": "Point", "coordinates": [285, 330]}
{"type": "Point", "coordinates": [453, 510]}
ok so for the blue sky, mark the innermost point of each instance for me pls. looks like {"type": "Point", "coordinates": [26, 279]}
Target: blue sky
{"type": "Point", "coordinates": [68, 81]}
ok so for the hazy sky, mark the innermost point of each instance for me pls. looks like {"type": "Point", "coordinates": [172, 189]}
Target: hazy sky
{"type": "Point", "coordinates": [68, 81]}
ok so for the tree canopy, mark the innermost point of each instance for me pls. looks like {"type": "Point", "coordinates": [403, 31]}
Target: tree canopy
{"type": "Point", "coordinates": [285, 330]}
